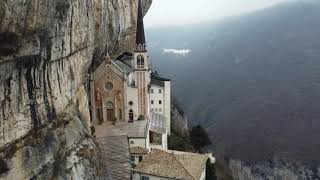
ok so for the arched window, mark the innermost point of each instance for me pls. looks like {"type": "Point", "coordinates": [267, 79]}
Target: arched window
{"type": "Point", "coordinates": [140, 61]}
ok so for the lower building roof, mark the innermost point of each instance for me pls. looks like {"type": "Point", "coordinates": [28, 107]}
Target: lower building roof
{"type": "Point", "coordinates": [188, 166]}
{"type": "Point", "coordinates": [138, 150]}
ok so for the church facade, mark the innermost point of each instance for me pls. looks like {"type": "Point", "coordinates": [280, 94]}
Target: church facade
{"type": "Point", "coordinates": [127, 89]}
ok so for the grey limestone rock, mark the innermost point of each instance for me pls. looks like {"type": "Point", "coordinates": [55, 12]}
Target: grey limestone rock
{"type": "Point", "coordinates": [46, 50]}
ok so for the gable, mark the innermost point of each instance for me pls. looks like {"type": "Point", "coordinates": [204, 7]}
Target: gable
{"type": "Point", "coordinates": [108, 70]}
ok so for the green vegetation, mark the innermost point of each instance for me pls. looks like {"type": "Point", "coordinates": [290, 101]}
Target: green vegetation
{"type": "Point", "coordinates": [141, 117]}
{"type": "Point", "coordinates": [179, 143]}
{"type": "Point", "coordinates": [210, 171]}
{"type": "Point", "coordinates": [194, 141]}
{"type": "Point", "coordinates": [199, 138]}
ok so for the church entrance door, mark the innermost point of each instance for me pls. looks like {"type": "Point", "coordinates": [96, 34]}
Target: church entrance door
{"type": "Point", "coordinates": [110, 111]}
{"type": "Point", "coordinates": [110, 114]}
{"type": "Point", "coordinates": [131, 116]}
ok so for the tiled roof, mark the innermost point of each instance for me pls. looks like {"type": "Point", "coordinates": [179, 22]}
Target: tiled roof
{"type": "Point", "coordinates": [157, 80]}
{"type": "Point", "coordinates": [124, 66]}
{"type": "Point", "coordinates": [156, 76]}
{"type": "Point", "coordinates": [115, 152]}
{"type": "Point", "coordinates": [160, 163]}
{"type": "Point", "coordinates": [138, 150]}
{"type": "Point", "coordinates": [193, 163]}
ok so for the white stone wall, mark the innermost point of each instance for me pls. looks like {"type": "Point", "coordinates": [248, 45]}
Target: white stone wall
{"type": "Point", "coordinates": [164, 108]}
{"type": "Point", "coordinates": [148, 140]}
{"type": "Point", "coordinates": [156, 97]}
{"type": "Point", "coordinates": [132, 95]}
{"type": "Point", "coordinates": [167, 104]}
{"type": "Point", "coordinates": [136, 158]}
{"type": "Point", "coordinates": [203, 175]}
{"type": "Point", "coordinates": [137, 142]}
{"type": "Point", "coordinates": [165, 141]}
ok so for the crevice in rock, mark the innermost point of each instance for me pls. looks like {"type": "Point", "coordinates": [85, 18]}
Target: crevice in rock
{"type": "Point", "coordinates": [71, 28]}
{"type": "Point", "coordinates": [29, 63]}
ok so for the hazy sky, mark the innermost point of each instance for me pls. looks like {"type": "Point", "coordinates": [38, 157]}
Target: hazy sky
{"type": "Point", "coordinates": [178, 12]}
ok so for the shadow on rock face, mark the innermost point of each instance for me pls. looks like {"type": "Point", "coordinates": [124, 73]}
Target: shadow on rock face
{"type": "Point", "coordinates": [9, 43]}
{"type": "Point", "coordinates": [3, 166]}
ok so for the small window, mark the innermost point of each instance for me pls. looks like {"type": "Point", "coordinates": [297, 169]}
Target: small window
{"type": "Point", "coordinates": [152, 91]}
{"type": "Point", "coordinates": [160, 102]}
{"type": "Point", "coordinates": [144, 178]}
{"type": "Point", "coordinates": [132, 158]}
{"type": "Point", "coordinates": [160, 109]}
{"type": "Point", "coordinates": [140, 158]}
{"type": "Point", "coordinates": [152, 102]}
{"type": "Point", "coordinates": [152, 110]}
{"type": "Point", "coordinates": [160, 91]}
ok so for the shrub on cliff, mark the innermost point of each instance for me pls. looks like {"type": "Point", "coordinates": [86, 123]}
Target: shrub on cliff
{"type": "Point", "coordinates": [199, 138]}
{"type": "Point", "coordinates": [179, 143]}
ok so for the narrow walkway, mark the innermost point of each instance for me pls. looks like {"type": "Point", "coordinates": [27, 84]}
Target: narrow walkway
{"type": "Point", "coordinates": [115, 150]}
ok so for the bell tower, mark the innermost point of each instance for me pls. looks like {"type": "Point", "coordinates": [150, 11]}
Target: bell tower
{"type": "Point", "coordinates": [141, 65]}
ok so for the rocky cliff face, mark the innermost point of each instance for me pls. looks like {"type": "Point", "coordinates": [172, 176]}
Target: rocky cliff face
{"type": "Point", "coordinates": [273, 170]}
{"type": "Point", "coordinates": [179, 121]}
{"type": "Point", "coordinates": [46, 50]}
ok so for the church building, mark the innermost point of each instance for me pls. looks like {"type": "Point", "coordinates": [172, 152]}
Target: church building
{"type": "Point", "coordinates": [128, 90]}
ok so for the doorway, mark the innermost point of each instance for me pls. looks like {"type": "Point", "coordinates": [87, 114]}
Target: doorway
{"type": "Point", "coordinates": [110, 111]}
{"type": "Point", "coordinates": [131, 116]}
{"type": "Point", "coordinates": [110, 114]}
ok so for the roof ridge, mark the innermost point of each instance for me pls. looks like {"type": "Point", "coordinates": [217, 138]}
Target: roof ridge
{"type": "Point", "coordinates": [182, 166]}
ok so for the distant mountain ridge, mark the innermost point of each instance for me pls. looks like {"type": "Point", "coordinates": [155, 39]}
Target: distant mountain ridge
{"type": "Point", "coordinates": [253, 80]}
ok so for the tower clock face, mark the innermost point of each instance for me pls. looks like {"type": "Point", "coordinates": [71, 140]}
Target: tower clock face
{"type": "Point", "coordinates": [108, 86]}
